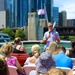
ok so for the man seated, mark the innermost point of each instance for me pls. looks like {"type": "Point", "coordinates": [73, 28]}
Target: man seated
{"type": "Point", "coordinates": [61, 59]}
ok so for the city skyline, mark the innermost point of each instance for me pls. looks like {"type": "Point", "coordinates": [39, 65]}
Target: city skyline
{"type": "Point", "coordinates": [66, 5]}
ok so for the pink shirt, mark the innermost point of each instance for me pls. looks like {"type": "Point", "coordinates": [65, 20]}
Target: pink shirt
{"type": "Point", "coordinates": [11, 61]}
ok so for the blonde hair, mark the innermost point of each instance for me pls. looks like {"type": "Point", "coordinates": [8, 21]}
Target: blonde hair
{"type": "Point", "coordinates": [56, 71]}
{"type": "Point", "coordinates": [35, 47]}
{"type": "Point", "coordinates": [17, 40]}
{"type": "Point", "coordinates": [52, 47]}
{"type": "Point", "coordinates": [3, 66]}
{"type": "Point", "coordinates": [7, 48]}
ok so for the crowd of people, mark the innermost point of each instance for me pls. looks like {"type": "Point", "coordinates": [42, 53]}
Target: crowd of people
{"type": "Point", "coordinates": [46, 62]}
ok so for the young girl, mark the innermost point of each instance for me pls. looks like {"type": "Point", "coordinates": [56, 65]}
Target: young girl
{"type": "Point", "coordinates": [8, 49]}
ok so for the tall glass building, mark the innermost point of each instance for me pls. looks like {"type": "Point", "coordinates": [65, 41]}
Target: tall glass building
{"type": "Point", "coordinates": [32, 5]}
{"type": "Point", "coordinates": [17, 13]}
{"type": "Point", "coordinates": [49, 9]}
{"type": "Point", "coordinates": [9, 13]}
{"type": "Point", "coordinates": [63, 18]}
{"type": "Point", "coordinates": [2, 5]}
{"type": "Point", "coordinates": [23, 13]}
{"type": "Point", "coordinates": [56, 15]}
{"type": "Point", "coordinates": [40, 5]}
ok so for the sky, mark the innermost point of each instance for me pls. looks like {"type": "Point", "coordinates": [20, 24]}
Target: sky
{"type": "Point", "coordinates": [68, 6]}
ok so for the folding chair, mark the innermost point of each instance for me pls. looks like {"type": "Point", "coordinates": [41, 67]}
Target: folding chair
{"type": "Point", "coordinates": [29, 68]}
{"type": "Point", "coordinates": [12, 70]}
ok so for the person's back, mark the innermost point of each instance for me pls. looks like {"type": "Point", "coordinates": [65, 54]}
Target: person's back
{"type": "Point", "coordinates": [36, 52]}
{"type": "Point", "coordinates": [62, 60]}
{"type": "Point", "coordinates": [71, 52]}
{"type": "Point", "coordinates": [17, 47]}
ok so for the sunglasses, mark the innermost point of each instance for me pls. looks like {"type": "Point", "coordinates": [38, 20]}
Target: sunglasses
{"type": "Point", "coordinates": [50, 26]}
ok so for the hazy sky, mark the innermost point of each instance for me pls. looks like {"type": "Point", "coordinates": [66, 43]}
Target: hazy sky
{"type": "Point", "coordinates": [68, 5]}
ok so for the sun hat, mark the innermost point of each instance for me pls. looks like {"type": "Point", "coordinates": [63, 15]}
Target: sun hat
{"type": "Point", "coordinates": [44, 62]}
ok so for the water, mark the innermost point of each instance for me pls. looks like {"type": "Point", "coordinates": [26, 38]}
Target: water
{"type": "Point", "coordinates": [28, 46]}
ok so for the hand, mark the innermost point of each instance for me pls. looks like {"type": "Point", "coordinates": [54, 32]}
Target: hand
{"type": "Point", "coordinates": [41, 41]}
{"type": "Point", "coordinates": [48, 36]}
{"type": "Point", "coordinates": [55, 36]}
{"type": "Point", "coordinates": [58, 39]}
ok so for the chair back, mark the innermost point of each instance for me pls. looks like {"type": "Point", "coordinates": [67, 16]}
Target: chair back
{"type": "Point", "coordinates": [12, 70]}
{"type": "Point", "coordinates": [65, 69]}
{"type": "Point", "coordinates": [29, 68]}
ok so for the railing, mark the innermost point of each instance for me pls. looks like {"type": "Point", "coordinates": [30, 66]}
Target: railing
{"type": "Point", "coordinates": [28, 44]}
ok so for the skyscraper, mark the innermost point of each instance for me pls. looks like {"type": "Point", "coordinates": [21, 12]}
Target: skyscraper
{"type": "Point", "coordinates": [23, 13]}
{"type": "Point", "coordinates": [9, 15]}
{"type": "Point", "coordinates": [2, 5]}
{"type": "Point", "coordinates": [17, 13]}
{"type": "Point", "coordinates": [49, 9]}
{"type": "Point", "coordinates": [32, 5]}
{"type": "Point", "coordinates": [56, 15]}
{"type": "Point", "coordinates": [63, 18]}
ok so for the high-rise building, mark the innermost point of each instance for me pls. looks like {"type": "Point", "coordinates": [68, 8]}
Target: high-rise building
{"type": "Point", "coordinates": [17, 13]}
{"type": "Point", "coordinates": [49, 9]}
{"type": "Point", "coordinates": [2, 5]}
{"type": "Point", "coordinates": [9, 15]}
{"type": "Point", "coordinates": [23, 13]}
{"type": "Point", "coordinates": [40, 5]}
{"type": "Point", "coordinates": [56, 15]}
{"type": "Point", "coordinates": [32, 5]}
{"type": "Point", "coordinates": [63, 18]}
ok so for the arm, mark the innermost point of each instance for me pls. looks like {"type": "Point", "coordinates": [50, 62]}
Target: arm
{"type": "Point", "coordinates": [23, 49]}
{"type": "Point", "coordinates": [19, 67]}
{"type": "Point", "coordinates": [45, 38]}
{"type": "Point", "coordinates": [57, 37]}
{"type": "Point", "coordinates": [27, 61]}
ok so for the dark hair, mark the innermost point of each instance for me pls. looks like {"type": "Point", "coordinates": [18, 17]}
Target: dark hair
{"type": "Point", "coordinates": [62, 48]}
{"type": "Point", "coordinates": [72, 43]}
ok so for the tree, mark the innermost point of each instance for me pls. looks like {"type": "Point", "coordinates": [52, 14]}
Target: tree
{"type": "Point", "coordinates": [20, 33]}
{"type": "Point", "coordinates": [9, 32]}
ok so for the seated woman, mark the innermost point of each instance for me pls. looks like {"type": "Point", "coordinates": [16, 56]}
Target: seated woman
{"type": "Point", "coordinates": [8, 49]}
{"type": "Point", "coordinates": [17, 47]}
{"type": "Point", "coordinates": [36, 52]}
{"type": "Point", "coordinates": [71, 52]}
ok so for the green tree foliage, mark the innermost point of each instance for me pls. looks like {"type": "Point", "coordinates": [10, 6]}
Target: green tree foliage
{"type": "Point", "coordinates": [9, 32]}
{"type": "Point", "coordinates": [71, 37]}
{"type": "Point", "coordinates": [20, 33]}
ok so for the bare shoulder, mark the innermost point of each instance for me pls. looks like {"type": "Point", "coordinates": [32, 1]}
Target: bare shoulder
{"type": "Point", "coordinates": [67, 52]}
{"type": "Point", "coordinates": [18, 46]}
